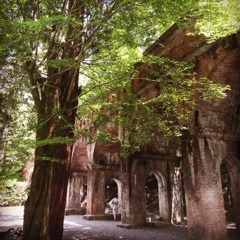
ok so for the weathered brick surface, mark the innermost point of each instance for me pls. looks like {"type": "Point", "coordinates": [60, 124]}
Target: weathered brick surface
{"type": "Point", "coordinates": [213, 138]}
{"type": "Point", "coordinates": [217, 126]}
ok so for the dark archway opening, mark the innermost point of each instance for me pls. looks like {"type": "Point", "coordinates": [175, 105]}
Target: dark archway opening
{"type": "Point", "coordinates": [111, 191]}
{"type": "Point", "coordinates": [152, 197]}
{"type": "Point", "coordinates": [183, 199]}
{"type": "Point", "coordinates": [227, 195]}
{"type": "Point", "coordinates": [83, 192]}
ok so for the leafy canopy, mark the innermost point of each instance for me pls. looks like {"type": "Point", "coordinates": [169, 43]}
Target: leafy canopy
{"type": "Point", "coordinates": [107, 38]}
{"type": "Point", "coordinates": [114, 110]}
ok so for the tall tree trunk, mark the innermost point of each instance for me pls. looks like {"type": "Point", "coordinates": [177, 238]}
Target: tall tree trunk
{"type": "Point", "coordinates": [56, 102]}
{"type": "Point", "coordinates": [44, 209]}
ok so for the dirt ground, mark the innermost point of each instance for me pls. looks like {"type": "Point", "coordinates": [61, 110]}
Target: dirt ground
{"type": "Point", "coordinates": [75, 227]}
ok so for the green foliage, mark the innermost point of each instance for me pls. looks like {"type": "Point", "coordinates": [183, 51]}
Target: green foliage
{"type": "Point", "coordinates": [107, 39]}
{"type": "Point", "coordinates": [109, 107]}
{"type": "Point", "coordinates": [18, 121]}
{"type": "Point", "coordinates": [20, 142]}
{"type": "Point", "coordinates": [219, 18]}
{"type": "Point", "coordinates": [13, 192]}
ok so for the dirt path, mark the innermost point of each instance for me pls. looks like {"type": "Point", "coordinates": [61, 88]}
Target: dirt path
{"type": "Point", "coordinates": [75, 227]}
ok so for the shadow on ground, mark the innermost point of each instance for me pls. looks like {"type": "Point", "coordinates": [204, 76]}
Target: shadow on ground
{"type": "Point", "coordinates": [77, 228]}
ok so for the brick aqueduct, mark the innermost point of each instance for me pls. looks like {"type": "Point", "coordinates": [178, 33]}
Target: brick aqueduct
{"type": "Point", "coordinates": [217, 143]}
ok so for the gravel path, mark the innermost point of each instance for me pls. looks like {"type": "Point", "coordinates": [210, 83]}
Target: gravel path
{"type": "Point", "coordinates": [76, 228]}
{"type": "Point", "coordinates": [104, 230]}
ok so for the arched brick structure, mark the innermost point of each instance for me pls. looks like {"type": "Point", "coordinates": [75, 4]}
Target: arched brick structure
{"type": "Point", "coordinates": [162, 195]}
{"type": "Point", "coordinates": [214, 133]}
{"type": "Point", "coordinates": [97, 180]}
{"type": "Point", "coordinates": [213, 137]}
{"type": "Point", "coordinates": [203, 189]}
{"type": "Point", "coordinates": [81, 161]}
{"type": "Point", "coordinates": [134, 172]}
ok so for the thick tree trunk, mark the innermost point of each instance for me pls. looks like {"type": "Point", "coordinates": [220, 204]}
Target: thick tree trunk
{"type": "Point", "coordinates": [56, 101]}
{"type": "Point", "coordinates": [44, 209]}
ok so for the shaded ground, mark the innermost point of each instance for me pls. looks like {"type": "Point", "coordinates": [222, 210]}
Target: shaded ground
{"type": "Point", "coordinates": [75, 227]}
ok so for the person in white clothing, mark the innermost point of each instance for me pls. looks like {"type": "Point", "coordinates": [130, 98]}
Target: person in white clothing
{"type": "Point", "coordinates": [114, 205]}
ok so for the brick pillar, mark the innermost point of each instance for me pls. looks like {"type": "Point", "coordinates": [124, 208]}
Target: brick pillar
{"type": "Point", "coordinates": [204, 197]}
{"type": "Point", "coordinates": [75, 193]}
{"type": "Point", "coordinates": [133, 192]}
{"type": "Point", "coordinates": [163, 198]}
{"type": "Point", "coordinates": [177, 200]}
{"type": "Point", "coordinates": [96, 192]}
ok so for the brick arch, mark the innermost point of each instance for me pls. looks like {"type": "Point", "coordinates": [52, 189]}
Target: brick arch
{"type": "Point", "coordinates": [222, 114]}
{"type": "Point", "coordinates": [118, 183]}
{"type": "Point", "coordinates": [119, 191]}
{"type": "Point", "coordinates": [232, 164]}
{"type": "Point", "coordinates": [163, 198]}
{"type": "Point", "coordinates": [82, 155]}
{"type": "Point", "coordinates": [119, 186]}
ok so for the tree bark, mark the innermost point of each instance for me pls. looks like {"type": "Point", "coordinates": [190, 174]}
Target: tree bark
{"type": "Point", "coordinates": [56, 102]}
{"type": "Point", "coordinates": [45, 207]}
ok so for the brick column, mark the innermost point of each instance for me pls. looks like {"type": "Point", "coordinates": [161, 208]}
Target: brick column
{"type": "Point", "coordinates": [204, 197]}
{"type": "Point", "coordinates": [75, 193]}
{"type": "Point", "coordinates": [163, 196]}
{"type": "Point", "coordinates": [133, 192]}
{"type": "Point", "coordinates": [96, 192]}
{"type": "Point", "coordinates": [177, 201]}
